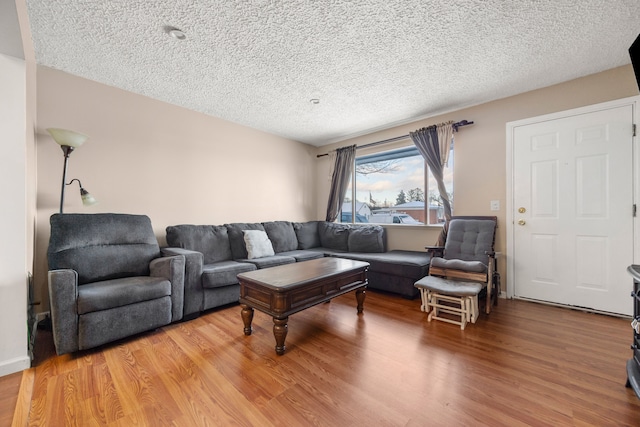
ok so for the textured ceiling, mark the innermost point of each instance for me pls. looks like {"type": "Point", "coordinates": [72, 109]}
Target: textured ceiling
{"type": "Point", "coordinates": [371, 63]}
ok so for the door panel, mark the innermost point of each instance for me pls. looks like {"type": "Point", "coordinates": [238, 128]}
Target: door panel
{"type": "Point", "coordinates": [573, 199]}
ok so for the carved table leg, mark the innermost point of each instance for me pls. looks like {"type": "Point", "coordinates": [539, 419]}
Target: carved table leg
{"type": "Point", "coordinates": [360, 294]}
{"type": "Point", "coordinates": [280, 332]}
{"type": "Point", "coordinates": [247, 317]}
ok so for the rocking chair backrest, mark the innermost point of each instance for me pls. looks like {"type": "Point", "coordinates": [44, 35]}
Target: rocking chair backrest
{"type": "Point", "coordinates": [470, 239]}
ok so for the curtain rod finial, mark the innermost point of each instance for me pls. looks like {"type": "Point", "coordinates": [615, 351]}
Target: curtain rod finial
{"type": "Point", "coordinates": [460, 124]}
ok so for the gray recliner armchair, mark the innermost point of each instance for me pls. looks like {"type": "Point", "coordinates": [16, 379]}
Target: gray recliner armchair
{"type": "Point", "coordinates": [107, 279]}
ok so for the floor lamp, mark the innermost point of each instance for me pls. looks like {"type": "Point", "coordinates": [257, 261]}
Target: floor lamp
{"type": "Point", "coordinates": [69, 141]}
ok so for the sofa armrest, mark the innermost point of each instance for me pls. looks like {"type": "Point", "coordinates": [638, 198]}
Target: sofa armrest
{"type": "Point", "coordinates": [63, 303]}
{"type": "Point", "coordinates": [172, 268]}
{"type": "Point", "coordinates": [193, 292]}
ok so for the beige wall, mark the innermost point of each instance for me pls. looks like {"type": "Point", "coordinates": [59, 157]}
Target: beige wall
{"type": "Point", "coordinates": [480, 149]}
{"type": "Point", "coordinates": [178, 166]}
{"type": "Point", "coordinates": [15, 248]}
{"type": "Point", "coordinates": [172, 164]}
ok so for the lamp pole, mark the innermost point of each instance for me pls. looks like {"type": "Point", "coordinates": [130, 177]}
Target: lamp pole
{"type": "Point", "coordinates": [66, 149]}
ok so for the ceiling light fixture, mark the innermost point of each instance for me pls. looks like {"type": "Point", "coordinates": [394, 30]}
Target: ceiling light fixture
{"type": "Point", "coordinates": [175, 33]}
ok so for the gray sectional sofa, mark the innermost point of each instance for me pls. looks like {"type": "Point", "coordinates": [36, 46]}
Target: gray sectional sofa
{"type": "Point", "coordinates": [215, 254]}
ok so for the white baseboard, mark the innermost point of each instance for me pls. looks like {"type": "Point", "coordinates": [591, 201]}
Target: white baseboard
{"type": "Point", "coordinates": [14, 365]}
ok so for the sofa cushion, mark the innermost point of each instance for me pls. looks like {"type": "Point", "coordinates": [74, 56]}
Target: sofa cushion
{"type": "Point", "coordinates": [412, 264]}
{"type": "Point", "coordinates": [211, 240]}
{"type": "Point", "coordinates": [282, 235]}
{"type": "Point", "coordinates": [270, 261]}
{"type": "Point", "coordinates": [303, 255]}
{"type": "Point", "coordinates": [236, 237]}
{"type": "Point", "coordinates": [329, 252]}
{"type": "Point", "coordinates": [307, 234]}
{"type": "Point", "coordinates": [367, 238]}
{"type": "Point", "coordinates": [108, 294]}
{"type": "Point", "coordinates": [223, 273]}
{"type": "Point", "coordinates": [258, 244]}
{"type": "Point", "coordinates": [334, 235]}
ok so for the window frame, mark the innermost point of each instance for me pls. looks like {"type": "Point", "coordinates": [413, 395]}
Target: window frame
{"type": "Point", "coordinates": [391, 154]}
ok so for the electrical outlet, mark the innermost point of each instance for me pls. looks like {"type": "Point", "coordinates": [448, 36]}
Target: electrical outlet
{"type": "Point", "coordinates": [495, 205]}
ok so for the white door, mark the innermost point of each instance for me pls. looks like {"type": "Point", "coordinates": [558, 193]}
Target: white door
{"type": "Point", "coordinates": [573, 210]}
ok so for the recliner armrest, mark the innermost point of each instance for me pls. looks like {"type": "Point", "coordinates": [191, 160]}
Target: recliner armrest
{"type": "Point", "coordinates": [63, 303]}
{"type": "Point", "coordinates": [172, 268]}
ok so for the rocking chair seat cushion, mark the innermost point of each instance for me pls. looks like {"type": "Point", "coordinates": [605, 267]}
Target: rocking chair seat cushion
{"type": "Point", "coordinates": [449, 287]}
{"type": "Point", "coordinates": [458, 264]}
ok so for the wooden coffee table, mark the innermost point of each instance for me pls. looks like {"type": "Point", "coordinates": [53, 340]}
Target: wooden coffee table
{"type": "Point", "coordinates": [287, 289]}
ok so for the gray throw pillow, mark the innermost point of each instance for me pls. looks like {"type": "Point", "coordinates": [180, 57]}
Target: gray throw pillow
{"type": "Point", "coordinates": [334, 235]}
{"type": "Point", "coordinates": [282, 235]}
{"type": "Point", "coordinates": [307, 234]}
{"type": "Point", "coordinates": [369, 238]}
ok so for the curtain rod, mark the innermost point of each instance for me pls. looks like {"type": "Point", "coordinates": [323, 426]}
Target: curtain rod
{"type": "Point", "coordinates": [398, 138]}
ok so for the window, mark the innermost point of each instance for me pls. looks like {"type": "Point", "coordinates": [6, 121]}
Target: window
{"type": "Point", "coordinates": [396, 187]}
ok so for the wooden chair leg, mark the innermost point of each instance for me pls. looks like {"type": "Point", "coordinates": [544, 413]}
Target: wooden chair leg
{"type": "Point", "coordinates": [424, 296]}
{"type": "Point", "coordinates": [487, 307]}
{"type": "Point", "coordinates": [464, 315]}
{"type": "Point", "coordinates": [474, 308]}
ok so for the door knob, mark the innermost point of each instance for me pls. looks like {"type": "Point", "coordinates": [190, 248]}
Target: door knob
{"type": "Point", "coordinates": [522, 222]}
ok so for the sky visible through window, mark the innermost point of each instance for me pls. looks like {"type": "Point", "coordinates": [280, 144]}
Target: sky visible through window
{"type": "Point", "coordinates": [405, 174]}
{"type": "Point", "coordinates": [384, 186]}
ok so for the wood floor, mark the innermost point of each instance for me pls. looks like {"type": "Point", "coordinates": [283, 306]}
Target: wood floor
{"type": "Point", "coordinates": [525, 364]}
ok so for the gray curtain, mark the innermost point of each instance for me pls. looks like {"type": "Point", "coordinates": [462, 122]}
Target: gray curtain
{"type": "Point", "coordinates": [340, 180]}
{"type": "Point", "coordinates": [427, 142]}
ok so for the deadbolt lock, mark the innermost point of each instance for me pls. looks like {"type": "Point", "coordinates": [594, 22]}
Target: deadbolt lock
{"type": "Point", "coordinates": [522, 210]}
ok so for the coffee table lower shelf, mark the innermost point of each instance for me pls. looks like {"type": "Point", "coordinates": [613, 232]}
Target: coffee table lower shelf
{"type": "Point", "coordinates": [284, 290]}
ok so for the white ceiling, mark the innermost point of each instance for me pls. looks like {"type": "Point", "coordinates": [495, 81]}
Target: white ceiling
{"type": "Point", "coordinates": [371, 63]}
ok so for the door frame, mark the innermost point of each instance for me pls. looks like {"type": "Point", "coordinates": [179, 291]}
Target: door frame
{"type": "Point", "coordinates": [510, 129]}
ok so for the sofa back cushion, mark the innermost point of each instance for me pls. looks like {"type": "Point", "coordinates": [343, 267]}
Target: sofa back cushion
{"type": "Point", "coordinates": [367, 238]}
{"type": "Point", "coordinates": [282, 235]}
{"type": "Point", "coordinates": [334, 235]}
{"type": "Point", "coordinates": [102, 246]}
{"type": "Point", "coordinates": [307, 234]}
{"type": "Point", "coordinates": [236, 237]}
{"type": "Point", "coordinates": [211, 240]}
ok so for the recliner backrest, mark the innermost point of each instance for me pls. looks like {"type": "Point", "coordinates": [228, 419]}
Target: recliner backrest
{"type": "Point", "coordinates": [469, 239]}
{"type": "Point", "coordinates": [102, 246]}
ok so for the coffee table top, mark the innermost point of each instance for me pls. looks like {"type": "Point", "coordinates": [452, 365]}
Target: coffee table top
{"type": "Point", "coordinates": [291, 275]}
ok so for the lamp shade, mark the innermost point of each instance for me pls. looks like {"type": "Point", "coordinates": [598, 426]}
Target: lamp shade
{"type": "Point", "coordinates": [87, 198]}
{"type": "Point", "coordinates": [67, 138]}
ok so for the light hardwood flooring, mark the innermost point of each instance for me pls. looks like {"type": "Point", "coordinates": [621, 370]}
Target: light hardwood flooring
{"type": "Point", "coordinates": [525, 364]}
